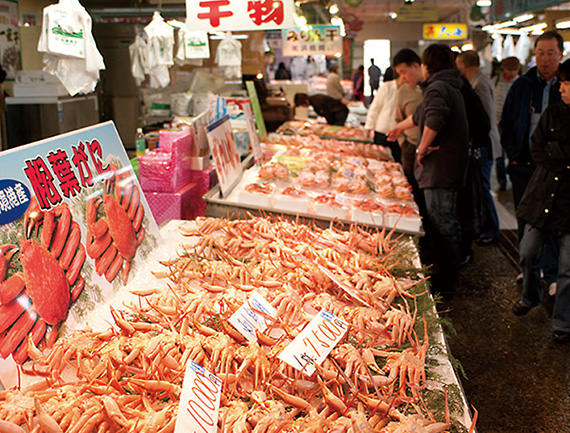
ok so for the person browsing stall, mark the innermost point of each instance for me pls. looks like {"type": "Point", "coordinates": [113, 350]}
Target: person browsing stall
{"type": "Point", "coordinates": [330, 108]}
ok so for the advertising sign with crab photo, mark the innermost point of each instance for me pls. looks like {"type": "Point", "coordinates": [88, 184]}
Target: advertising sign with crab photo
{"type": "Point", "coordinates": [74, 226]}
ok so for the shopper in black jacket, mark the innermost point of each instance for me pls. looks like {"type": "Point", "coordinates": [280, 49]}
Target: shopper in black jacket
{"type": "Point", "coordinates": [545, 206]}
{"type": "Point", "coordinates": [441, 159]}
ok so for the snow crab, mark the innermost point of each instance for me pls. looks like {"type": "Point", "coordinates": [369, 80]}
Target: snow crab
{"type": "Point", "coordinates": [36, 299]}
{"type": "Point", "coordinates": [114, 225]}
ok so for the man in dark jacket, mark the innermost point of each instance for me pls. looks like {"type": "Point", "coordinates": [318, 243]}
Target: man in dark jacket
{"type": "Point", "coordinates": [331, 109]}
{"type": "Point", "coordinates": [441, 158]}
{"type": "Point", "coordinates": [545, 206]}
{"type": "Point", "coordinates": [528, 97]}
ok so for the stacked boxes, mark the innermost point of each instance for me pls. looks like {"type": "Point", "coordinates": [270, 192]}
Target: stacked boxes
{"type": "Point", "coordinates": [166, 178]}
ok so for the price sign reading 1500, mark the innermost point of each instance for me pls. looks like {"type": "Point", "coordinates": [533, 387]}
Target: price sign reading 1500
{"type": "Point", "coordinates": [199, 401]}
{"type": "Point", "coordinates": [315, 342]}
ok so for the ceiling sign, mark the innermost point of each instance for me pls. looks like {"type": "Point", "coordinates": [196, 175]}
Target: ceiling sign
{"type": "Point", "coordinates": [417, 13]}
{"type": "Point", "coordinates": [233, 15]}
{"type": "Point", "coordinates": [445, 31]}
{"type": "Point", "coordinates": [313, 40]}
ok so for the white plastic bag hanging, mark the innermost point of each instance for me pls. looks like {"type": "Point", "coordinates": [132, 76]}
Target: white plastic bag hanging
{"type": "Point", "coordinates": [497, 48]}
{"type": "Point", "coordinates": [160, 50]}
{"type": "Point", "coordinates": [228, 56]}
{"type": "Point", "coordinates": [191, 47]}
{"type": "Point", "coordinates": [138, 52]}
{"type": "Point", "coordinates": [508, 47]}
{"type": "Point", "coordinates": [70, 50]}
{"type": "Point", "coordinates": [522, 48]}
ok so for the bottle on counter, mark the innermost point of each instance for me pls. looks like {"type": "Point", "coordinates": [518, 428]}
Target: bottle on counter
{"type": "Point", "coordinates": [140, 143]}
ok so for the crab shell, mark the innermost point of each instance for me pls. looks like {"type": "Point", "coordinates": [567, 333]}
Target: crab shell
{"type": "Point", "coordinates": [46, 283]}
{"type": "Point", "coordinates": [121, 227]}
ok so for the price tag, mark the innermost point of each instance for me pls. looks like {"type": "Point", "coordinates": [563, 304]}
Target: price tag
{"type": "Point", "coordinates": [252, 315]}
{"type": "Point", "coordinates": [314, 343]}
{"type": "Point", "coordinates": [199, 401]}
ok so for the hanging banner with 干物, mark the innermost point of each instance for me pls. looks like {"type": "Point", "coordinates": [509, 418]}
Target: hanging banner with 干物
{"type": "Point", "coordinates": [234, 15]}
{"type": "Point", "coordinates": [74, 228]}
{"type": "Point", "coordinates": [9, 37]}
{"type": "Point", "coordinates": [325, 40]}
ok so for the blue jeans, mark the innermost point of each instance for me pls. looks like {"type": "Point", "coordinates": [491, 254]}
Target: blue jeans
{"type": "Point", "coordinates": [532, 244]}
{"type": "Point", "coordinates": [444, 232]}
{"type": "Point", "coordinates": [490, 222]}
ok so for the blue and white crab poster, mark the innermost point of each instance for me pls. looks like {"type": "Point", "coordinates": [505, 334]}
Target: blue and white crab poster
{"type": "Point", "coordinates": [74, 227]}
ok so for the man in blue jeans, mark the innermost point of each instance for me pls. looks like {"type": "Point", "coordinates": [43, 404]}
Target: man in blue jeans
{"type": "Point", "coordinates": [545, 206]}
{"type": "Point", "coordinates": [527, 99]}
{"type": "Point", "coordinates": [441, 159]}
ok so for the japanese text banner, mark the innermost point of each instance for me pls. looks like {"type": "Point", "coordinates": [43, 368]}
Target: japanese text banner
{"type": "Point", "coordinates": [234, 15]}
{"type": "Point", "coordinates": [325, 40]}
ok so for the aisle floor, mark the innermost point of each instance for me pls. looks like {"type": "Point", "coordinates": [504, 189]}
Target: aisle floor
{"type": "Point", "coordinates": [517, 377]}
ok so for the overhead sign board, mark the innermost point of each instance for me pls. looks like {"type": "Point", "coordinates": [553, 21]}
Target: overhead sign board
{"type": "Point", "coordinates": [417, 13]}
{"type": "Point", "coordinates": [234, 15]}
{"type": "Point", "coordinates": [325, 40]}
{"type": "Point", "coordinates": [445, 31]}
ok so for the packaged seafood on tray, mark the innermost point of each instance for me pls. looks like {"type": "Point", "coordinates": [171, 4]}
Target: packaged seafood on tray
{"type": "Point", "coordinates": [325, 130]}
{"type": "Point", "coordinates": [369, 341]}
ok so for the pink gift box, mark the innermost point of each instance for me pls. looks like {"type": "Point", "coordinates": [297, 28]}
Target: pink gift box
{"type": "Point", "coordinates": [162, 172]}
{"type": "Point", "coordinates": [183, 204]}
{"type": "Point", "coordinates": [180, 143]}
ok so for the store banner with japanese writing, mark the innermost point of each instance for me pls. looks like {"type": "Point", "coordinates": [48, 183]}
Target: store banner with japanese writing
{"type": "Point", "coordinates": [325, 40]}
{"type": "Point", "coordinates": [234, 15]}
{"type": "Point", "coordinates": [445, 31]}
{"type": "Point", "coordinates": [9, 37]}
{"type": "Point", "coordinates": [74, 228]}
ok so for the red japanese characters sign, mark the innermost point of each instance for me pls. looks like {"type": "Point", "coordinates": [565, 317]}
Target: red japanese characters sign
{"type": "Point", "coordinates": [233, 15]}
{"type": "Point", "coordinates": [74, 228]}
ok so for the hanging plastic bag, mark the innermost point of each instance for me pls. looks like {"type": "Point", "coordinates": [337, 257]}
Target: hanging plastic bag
{"type": "Point", "coordinates": [160, 50]}
{"type": "Point", "coordinates": [75, 59]}
{"type": "Point", "coordinates": [228, 56]}
{"type": "Point", "coordinates": [138, 52]}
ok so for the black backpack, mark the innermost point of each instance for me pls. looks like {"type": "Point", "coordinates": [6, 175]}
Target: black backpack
{"type": "Point", "coordinates": [477, 118]}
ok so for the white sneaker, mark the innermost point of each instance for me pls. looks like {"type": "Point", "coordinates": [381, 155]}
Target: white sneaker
{"type": "Point", "coordinates": [552, 289]}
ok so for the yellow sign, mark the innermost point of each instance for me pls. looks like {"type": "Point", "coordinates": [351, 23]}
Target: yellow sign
{"type": "Point", "coordinates": [417, 13]}
{"type": "Point", "coordinates": [445, 31]}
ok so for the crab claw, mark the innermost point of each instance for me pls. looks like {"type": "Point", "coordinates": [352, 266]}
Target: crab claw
{"type": "Point", "coordinates": [6, 253]}
{"type": "Point", "coordinates": [33, 216]}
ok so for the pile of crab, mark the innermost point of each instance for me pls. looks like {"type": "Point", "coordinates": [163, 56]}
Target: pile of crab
{"type": "Point", "coordinates": [129, 377]}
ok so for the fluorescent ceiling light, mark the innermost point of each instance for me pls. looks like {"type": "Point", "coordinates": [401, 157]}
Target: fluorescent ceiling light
{"type": "Point", "coordinates": [534, 28]}
{"type": "Point", "coordinates": [563, 24]}
{"type": "Point", "coordinates": [523, 18]}
{"type": "Point", "coordinates": [392, 15]}
{"type": "Point", "coordinates": [484, 3]}
{"type": "Point", "coordinates": [492, 27]}
{"type": "Point", "coordinates": [456, 49]}
{"type": "Point", "coordinates": [467, 47]}
{"type": "Point", "coordinates": [337, 21]}
{"type": "Point", "coordinates": [333, 9]}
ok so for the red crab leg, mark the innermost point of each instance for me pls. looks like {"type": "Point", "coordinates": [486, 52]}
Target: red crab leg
{"type": "Point", "coordinates": [99, 228]}
{"type": "Point", "coordinates": [51, 336]}
{"type": "Point", "coordinates": [96, 246]}
{"type": "Point", "coordinates": [76, 265]}
{"type": "Point", "coordinates": [61, 232]}
{"type": "Point", "coordinates": [11, 288]}
{"type": "Point", "coordinates": [38, 332]}
{"type": "Point", "coordinates": [9, 313]}
{"type": "Point", "coordinates": [125, 271]}
{"type": "Point", "coordinates": [126, 196]}
{"type": "Point", "coordinates": [17, 333]}
{"type": "Point", "coordinates": [105, 261]}
{"type": "Point", "coordinates": [133, 205]}
{"type": "Point", "coordinates": [76, 291]}
{"type": "Point", "coordinates": [47, 229]}
{"type": "Point", "coordinates": [138, 218]}
{"type": "Point", "coordinates": [71, 246]}
{"type": "Point", "coordinates": [140, 236]}
{"type": "Point", "coordinates": [6, 253]}
{"type": "Point", "coordinates": [114, 268]}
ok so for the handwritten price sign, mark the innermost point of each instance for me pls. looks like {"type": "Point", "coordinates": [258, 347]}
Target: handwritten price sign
{"type": "Point", "coordinates": [314, 343]}
{"type": "Point", "coordinates": [253, 314]}
{"type": "Point", "coordinates": [199, 401]}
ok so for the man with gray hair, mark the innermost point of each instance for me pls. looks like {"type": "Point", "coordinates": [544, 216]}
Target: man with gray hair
{"type": "Point", "coordinates": [484, 153]}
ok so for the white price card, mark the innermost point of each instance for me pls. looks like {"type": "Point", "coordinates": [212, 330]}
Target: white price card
{"type": "Point", "coordinates": [199, 401]}
{"type": "Point", "coordinates": [253, 315]}
{"type": "Point", "coordinates": [315, 342]}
